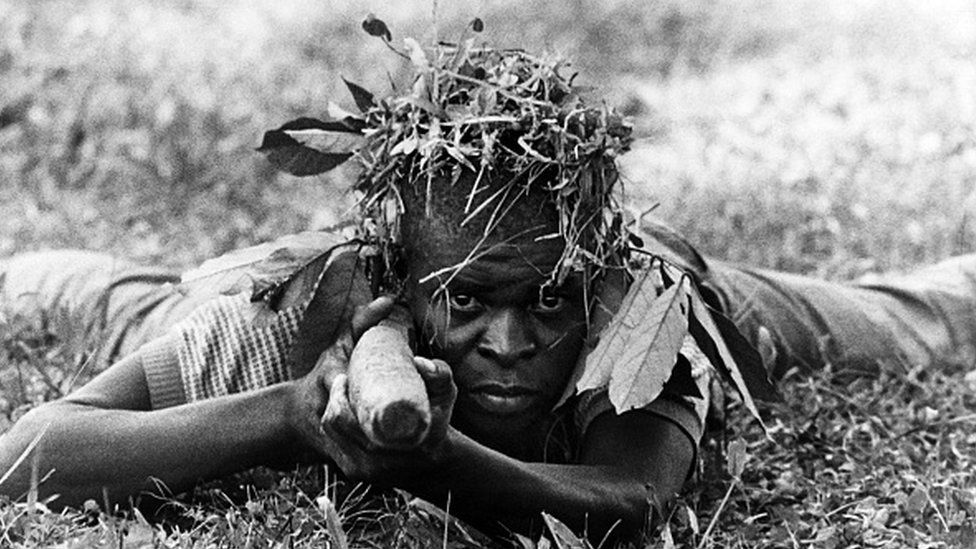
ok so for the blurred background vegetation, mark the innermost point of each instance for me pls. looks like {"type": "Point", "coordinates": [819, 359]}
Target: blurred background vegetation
{"type": "Point", "coordinates": [822, 137]}
{"type": "Point", "coordinates": [830, 137]}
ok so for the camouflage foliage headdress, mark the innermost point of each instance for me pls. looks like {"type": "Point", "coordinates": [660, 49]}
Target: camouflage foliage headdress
{"type": "Point", "coordinates": [498, 114]}
{"type": "Point", "coordinates": [510, 117]}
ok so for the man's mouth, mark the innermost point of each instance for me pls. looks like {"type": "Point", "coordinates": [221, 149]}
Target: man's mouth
{"type": "Point", "coordinates": [503, 399]}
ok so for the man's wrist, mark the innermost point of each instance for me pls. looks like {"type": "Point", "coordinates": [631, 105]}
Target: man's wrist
{"type": "Point", "coordinates": [299, 420]}
{"type": "Point", "coordinates": [456, 456]}
{"type": "Point", "coordinates": [444, 455]}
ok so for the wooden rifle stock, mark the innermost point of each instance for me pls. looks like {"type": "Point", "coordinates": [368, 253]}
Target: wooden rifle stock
{"type": "Point", "coordinates": [386, 392]}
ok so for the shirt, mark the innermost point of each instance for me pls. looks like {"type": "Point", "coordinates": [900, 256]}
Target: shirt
{"type": "Point", "coordinates": [222, 348]}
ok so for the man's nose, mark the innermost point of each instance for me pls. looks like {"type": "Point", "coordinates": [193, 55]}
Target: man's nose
{"type": "Point", "coordinates": [508, 339]}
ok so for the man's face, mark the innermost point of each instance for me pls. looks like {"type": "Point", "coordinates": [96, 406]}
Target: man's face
{"type": "Point", "coordinates": [512, 343]}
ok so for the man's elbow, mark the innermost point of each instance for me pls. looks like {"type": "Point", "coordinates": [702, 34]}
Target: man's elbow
{"type": "Point", "coordinates": [23, 438]}
{"type": "Point", "coordinates": [629, 509]}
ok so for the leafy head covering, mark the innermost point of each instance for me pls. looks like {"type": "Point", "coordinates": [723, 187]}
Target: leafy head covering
{"type": "Point", "coordinates": [496, 145]}
{"type": "Point", "coordinates": [483, 141]}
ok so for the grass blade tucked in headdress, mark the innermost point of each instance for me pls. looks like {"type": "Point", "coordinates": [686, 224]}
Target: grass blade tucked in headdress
{"type": "Point", "coordinates": [499, 114]}
{"type": "Point", "coordinates": [505, 128]}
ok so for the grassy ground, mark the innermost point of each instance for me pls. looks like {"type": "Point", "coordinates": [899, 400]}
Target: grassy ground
{"type": "Point", "coordinates": [831, 138]}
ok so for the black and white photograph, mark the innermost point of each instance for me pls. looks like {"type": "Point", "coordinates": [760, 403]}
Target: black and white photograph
{"type": "Point", "coordinates": [487, 273]}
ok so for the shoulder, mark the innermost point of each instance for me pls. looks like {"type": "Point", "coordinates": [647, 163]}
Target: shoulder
{"type": "Point", "coordinates": [642, 355]}
{"type": "Point", "coordinates": [292, 310]}
{"type": "Point", "coordinates": [662, 240]}
{"type": "Point", "coordinates": [122, 386]}
{"type": "Point", "coordinates": [683, 400]}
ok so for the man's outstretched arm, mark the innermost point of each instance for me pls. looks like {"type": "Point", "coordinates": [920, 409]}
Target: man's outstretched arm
{"type": "Point", "coordinates": [629, 464]}
{"type": "Point", "coordinates": [105, 436]}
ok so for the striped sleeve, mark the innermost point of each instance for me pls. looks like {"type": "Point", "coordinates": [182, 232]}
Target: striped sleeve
{"type": "Point", "coordinates": [162, 369]}
{"type": "Point", "coordinates": [229, 344]}
{"type": "Point", "coordinates": [222, 349]}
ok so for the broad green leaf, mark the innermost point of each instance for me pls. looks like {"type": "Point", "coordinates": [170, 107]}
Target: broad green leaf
{"type": "Point", "coordinates": [727, 365]}
{"type": "Point", "coordinates": [344, 122]}
{"type": "Point", "coordinates": [318, 272]}
{"type": "Point", "coordinates": [610, 294]}
{"type": "Point", "coordinates": [524, 542]}
{"type": "Point", "coordinates": [299, 288]}
{"type": "Point", "coordinates": [748, 361]}
{"type": "Point", "coordinates": [329, 289]}
{"type": "Point", "coordinates": [332, 522]}
{"type": "Point", "coordinates": [662, 241]}
{"type": "Point", "coordinates": [599, 363]}
{"type": "Point", "coordinates": [376, 27]}
{"type": "Point", "coordinates": [638, 351]}
{"type": "Point", "coordinates": [561, 534]}
{"type": "Point", "coordinates": [301, 147]}
{"type": "Point", "coordinates": [328, 142]}
{"type": "Point", "coordinates": [736, 458]}
{"type": "Point", "coordinates": [459, 157]}
{"type": "Point", "coordinates": [363, 98]}
{"type": "Point", "coordinates": [406, 146]}
{"type": "Point", "coordinates": [270, 263]}
{"type": "Point", "coordinates": [727, 349]}
{"type": "Point", "coordinates": [916, 502]}
{"type": "Point", "coordinates": [303, 162]}
{"type": "Point", "coordinates": [421, 102]}
{"type": "Point", "coordinates": [647, 348]}
{"type": "Point", "coordinates": [347, 121]}
{"type": "Point", "coordinates": [667, 538]}
{"type": "Point", "coordinates": [417, 54]}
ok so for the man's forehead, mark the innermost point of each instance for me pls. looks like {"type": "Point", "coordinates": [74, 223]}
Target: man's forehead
{"type": "Point", "coordinates": [527, 261]}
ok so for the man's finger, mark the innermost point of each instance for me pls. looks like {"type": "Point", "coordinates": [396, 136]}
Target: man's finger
{"type": "Point", "coordinates": [370, 315]}
{"type": "Point", "coordinates": [438, 378]}
{"type": "Point", "coordinates": [339, 417]}
{"type": "Point", "coordinates": [338, 411]}
{"type": "Point", "coordinates": [334, 360]}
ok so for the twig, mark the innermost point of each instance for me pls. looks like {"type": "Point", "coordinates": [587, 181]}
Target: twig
{"type": "Point", "coordinates": [937, 424]}
{"type": "Point", "coordinates": [714, 521]}
{"type": "Point", "coordinates": [796, 542]}
{"type": "Point", "coordinates": [36, 364]}
{"type": "Point", "coordinates": [25, 453]}
{"type": "Point", "coordinates": [33, 490]}
{"type": "Point", "coordinates": [847, 505]}
{"type": "Point", "coordinates": [489, 119]}
{"type": "Point", "coordinates": [436, 77]}
{"type": "Point", "coordinates": [447, 518]}
{"type": "Point", "coordinates": [938, 513]}
{"type": "Point", "coordinates": [497, 89]}
{"type": "Point", "coordinates": [394, 50]}
{"type": "Point", "coordinates": [89, 360]}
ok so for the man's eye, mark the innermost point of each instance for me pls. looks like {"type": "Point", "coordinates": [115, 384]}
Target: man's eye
{"type": "Point", "coordinates": [550, 303]}
{"type": "Point", "coordinates": [463, 303]}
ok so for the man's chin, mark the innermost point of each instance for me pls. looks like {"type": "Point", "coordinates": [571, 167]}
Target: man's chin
{"type": "Point", "coordinates": [497, 420]}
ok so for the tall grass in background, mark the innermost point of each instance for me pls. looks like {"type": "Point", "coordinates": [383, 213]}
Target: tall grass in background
{"type": "Point", "coordinates": [808, 136]}
{"type": "Point", "coordinates": [826, 137]}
